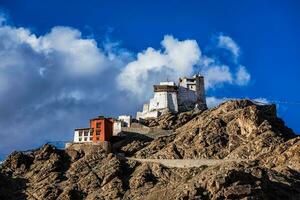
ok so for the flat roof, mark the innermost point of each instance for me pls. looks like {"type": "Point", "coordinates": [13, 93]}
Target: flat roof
{"type": "Point", "coordinates": [99, 117]}
{"type": "Point", "coordinates": [103, 118]}
{"type": "Point", "coordinates": [167, 83]}
{"type": "Point", "coordinates": [80, 129]}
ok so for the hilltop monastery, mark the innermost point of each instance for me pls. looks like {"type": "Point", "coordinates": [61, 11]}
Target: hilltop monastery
{"type": "Point", "coordinates": [188, 94]}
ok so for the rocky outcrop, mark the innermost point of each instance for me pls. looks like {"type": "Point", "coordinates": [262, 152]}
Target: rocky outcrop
{"type": "Point", "coordinates": [235, 129]}
{"type": "Point", "coordinates": [171, 121]}
{"type": "Point", "coordinates": [268, 150]}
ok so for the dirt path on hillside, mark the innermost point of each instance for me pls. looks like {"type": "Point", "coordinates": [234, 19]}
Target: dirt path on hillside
{"type": "Point", "coordinates": [186, 163]}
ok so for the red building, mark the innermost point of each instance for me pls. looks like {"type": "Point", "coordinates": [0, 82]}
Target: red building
{"type": "Point", "coordinates": [101, 128]}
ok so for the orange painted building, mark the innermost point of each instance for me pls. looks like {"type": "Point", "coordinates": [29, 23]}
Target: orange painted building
{"type": "Point", "coordinates": [101, 128]}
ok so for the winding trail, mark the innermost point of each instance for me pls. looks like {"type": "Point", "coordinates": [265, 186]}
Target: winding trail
{"type": "Point", "coordinates": [186, 163]}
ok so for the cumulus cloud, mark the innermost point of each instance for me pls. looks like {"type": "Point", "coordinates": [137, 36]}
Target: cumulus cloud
{"type": "Point", "coordinates": [228, 43]}
{"type": "Point", "coordinates": [53, 83]}
{"type": "Point", "coordinates": [215, 73]}
{"type": "Point", "coordinates": [176, 58]}
{"type": "Point", "coordinates": [76, 55]}
{"type": "Point", "coordinates": [242, 76]}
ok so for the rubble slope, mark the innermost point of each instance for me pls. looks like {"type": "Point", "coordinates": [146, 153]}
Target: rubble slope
{"type": "Point", "coordinates": [234, 129]}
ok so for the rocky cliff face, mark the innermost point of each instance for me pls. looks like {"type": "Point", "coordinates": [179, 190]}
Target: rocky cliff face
{"type": "Point", "coordinates": [236, 129]}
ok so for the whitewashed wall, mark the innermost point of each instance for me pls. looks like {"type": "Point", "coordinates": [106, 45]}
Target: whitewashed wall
{"type": "Point", "coordinates": [80, 138]}
{"type": "Point", "coordinates": [117, 127]}
{"type": "Point", "coordinates": [159, 101]}
{"type": "Point", "coordinates": [164, 101]}
{"type": "Point", "coordinates": [126, 119]}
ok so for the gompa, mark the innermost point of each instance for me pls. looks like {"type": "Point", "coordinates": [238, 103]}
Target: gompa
{"type": "Point", "coordinates": [189, 94]}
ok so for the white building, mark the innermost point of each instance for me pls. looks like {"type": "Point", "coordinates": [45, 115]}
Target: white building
{"type": "Point", "coordinates": [126, 120]}
{"type": "Point", "coordinates": [82, 135]}
{"type": "Point", "coordinates": [117, 127]}
{"type": "Point", "coordinates": [164, 100]}
{"type": "Point", "coordinates": [168, 97]}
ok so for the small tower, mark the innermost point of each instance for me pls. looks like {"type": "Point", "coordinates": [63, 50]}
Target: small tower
{"type": "Point", "coordinates": [191, 93]}
{"type": "Point", "coordinates": [200, 92]}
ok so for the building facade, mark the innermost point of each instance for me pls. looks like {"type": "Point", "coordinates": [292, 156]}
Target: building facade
{"type": "Point", "coordinates": [189, 94]}
{"type": "Point", "coordinates": [100, 130]}
{"type": "Point", "coordinates": [126, 120]}
{"type": "Point", "coordinates": [164, 100]}
{"type": "Point", "coordinates": [117, 127]}
{"type": "Point", "coordinates": [82, 135]}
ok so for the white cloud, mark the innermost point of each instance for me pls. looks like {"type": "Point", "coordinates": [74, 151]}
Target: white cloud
{"type": "Point", "coordinates": [242, 76]}
{"type": "Point", "coordinates": [215, 74]}
{"type": "Point", "coordinates": [176, 58]}
{"type": "Point", "coordinates": [179, 58]}
{"type": "Point", "coordinates": [228, 43]}
{"type": "Point", "coordinates": [76, 55]}
{"type": "Point", "coordinates": [53, 83]}
{"type": "Point", "coordinates": [79, 56]}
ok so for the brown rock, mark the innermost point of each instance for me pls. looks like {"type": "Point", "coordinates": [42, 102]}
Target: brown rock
{"type": "Point", "coordinates": [235, 129]}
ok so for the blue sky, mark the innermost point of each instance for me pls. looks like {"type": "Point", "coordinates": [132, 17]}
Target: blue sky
{"type": "Point", "coordinates": [44, 99]}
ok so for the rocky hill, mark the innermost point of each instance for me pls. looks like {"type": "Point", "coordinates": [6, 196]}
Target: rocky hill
{"type": "Point", "coordinates": [268, 166]}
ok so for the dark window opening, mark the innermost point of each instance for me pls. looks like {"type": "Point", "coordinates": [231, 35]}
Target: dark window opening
{"type": "Point", "coordinates": [98, 124]}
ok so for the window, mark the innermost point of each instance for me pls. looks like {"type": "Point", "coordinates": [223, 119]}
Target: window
{"type": "Point", "coordinates": [79, 139]}
{"type": "Point", "coordinates": [86, 133]}
{"type": "Point", "coordinates": [97, 132]}
{"type": "Point", "coordinates": [98, 125]}
{"type": "Point", "coordinates": [80, 133]}
{"type": "Point", "coordinates": [91, 138]}
{"type": "Point", "coordinates": [85, 138]}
